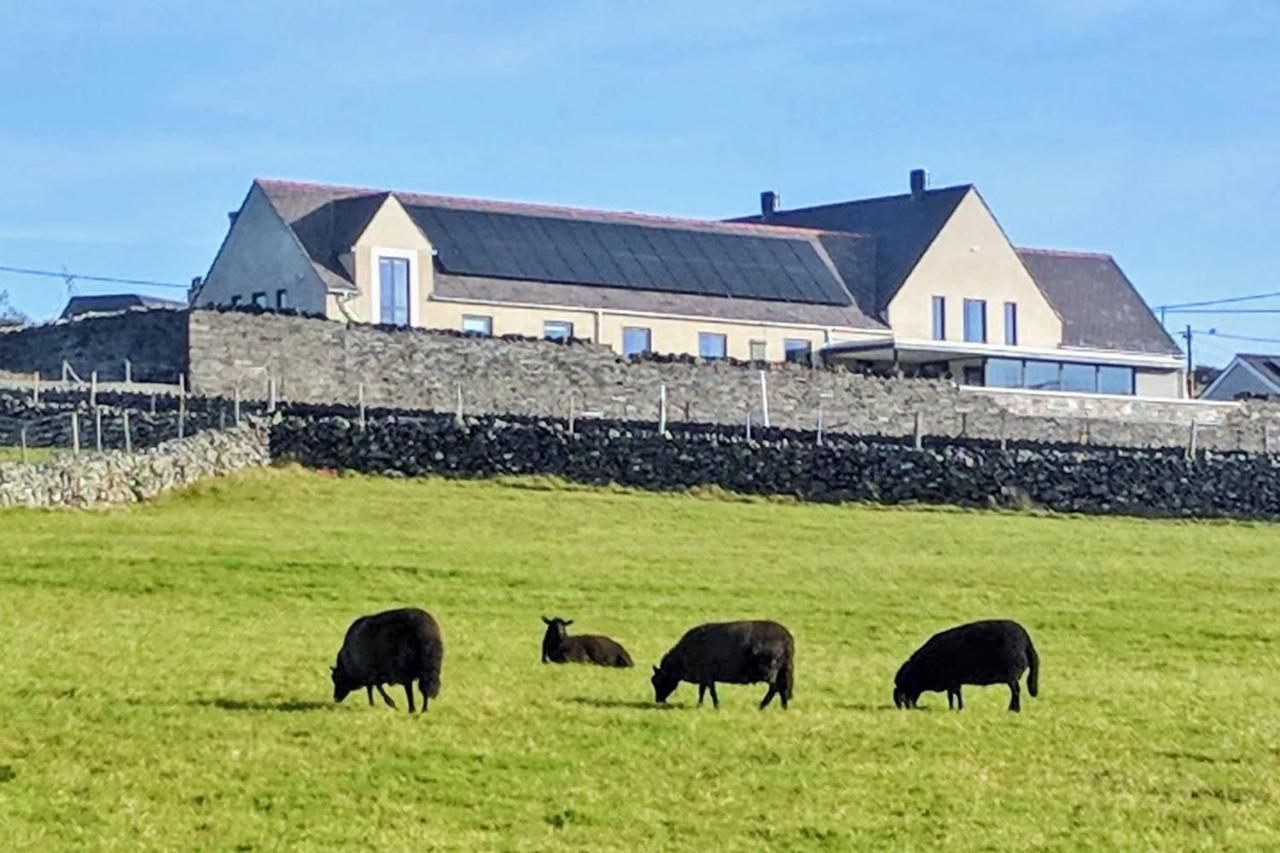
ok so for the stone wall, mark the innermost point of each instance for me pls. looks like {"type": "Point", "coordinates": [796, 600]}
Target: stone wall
{"type": "Point", "coordinates": [153, 418]}
{"type": "Point", "coordinates": [965, 472]}
{"type": "Point", "coordinates": [154, 342]}
{"type": "Point", "coordinates": [319, 361]}
{"type": "Point", "coordinates": [118, 478]}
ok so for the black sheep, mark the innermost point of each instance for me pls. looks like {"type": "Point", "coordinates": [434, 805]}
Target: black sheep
{"type": "Point", "coordinates": [393, 647]}
{"type": "Point", "coordinates": [559, 647]}
{"type": "Point", "coordinates": [732, 652]}
{"type": "Point", "coordinates": [995, 651]}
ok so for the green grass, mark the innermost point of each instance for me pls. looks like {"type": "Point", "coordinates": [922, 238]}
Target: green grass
{"type": "Point", "coordinates": [166, 675]}
{"type": "Point", "coordinates": [34, 454]}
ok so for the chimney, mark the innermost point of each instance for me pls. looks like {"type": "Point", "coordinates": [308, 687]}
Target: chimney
{"type": "Point", "coordinates": [231, 216]}
{"type": "Point", "coordinates": [917, 184]}
{"type": "Point", "coordinates": [768, 204]}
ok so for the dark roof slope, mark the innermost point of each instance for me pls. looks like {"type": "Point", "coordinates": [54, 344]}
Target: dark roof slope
{"type": "Point", "coordinates": [109, 303]}
{"type": "Point", "coordinates": [1267, 365]}
{"type": "Point", "coordinates": [902, 227]}
{"type": "Point", "coordinates": [539, 243]}
{"type": "Point", "coordinates": [1098, 304]}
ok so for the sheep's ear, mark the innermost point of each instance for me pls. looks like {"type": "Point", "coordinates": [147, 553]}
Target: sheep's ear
{"type": "Point", "coordinates": [568, 622]}
{"type": "Point", "coordinates": [546, 620]}
{"type": "Point", "coordinates": [655, 670]}
{"type": "Point", "coordinates": [333, 669]}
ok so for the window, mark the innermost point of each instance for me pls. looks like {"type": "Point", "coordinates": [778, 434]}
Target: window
{"type": "Point", "coordinates": [282, 299]}
{"type": "Point", "coordinates": [939, 318]}
{"type": "Point", "coordinates": [972, 374]}
{"type": "Point", "coordinates": [636, 341]}
{"type": "Point", "coordinates": [1080, 377]}
{"type": "Point", "coordinates": [557, 330]}
{"type": "Point", "coordinates": [711, 345]}
{"type": "Point", "coordinates": [1115, 380]}
{"type": "Point", "coordinates": [477, 324]}
{"type": "Point", "coordinates": [393, 291]}
{"type": "Point", "coordinates": [1011, 323]}
{"type": "Point", "coordinates": [1043, 376]}
{"type": "Point", "coordinates": [235, 300]}
{"type": "Point", "coordinates": [1004, 373]}
{"type": "Point", "coordinates": [798, 349]}
{"type": "Point", "coordinates": [260, 299]}
{"type": "Point", "coordinates": [759, 351]}
{"type": "Point", "coordinates": [975, 321]}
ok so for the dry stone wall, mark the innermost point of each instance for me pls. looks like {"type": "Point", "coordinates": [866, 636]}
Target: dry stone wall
{"type": "Point", "coordinates": [102, 479]}
{"type": "Point", "coordinates": [154, 342]}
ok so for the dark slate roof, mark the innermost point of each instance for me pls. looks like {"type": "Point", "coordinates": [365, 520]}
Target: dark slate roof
{"type": "Point", "coordinates": [1267, 365]}
{"type": "Point", "coordinates": [602, 249]}
{"type": "Point", "coordinates": [902, 227]}
{"type": "Point", "coordinates": [1098, 304]}
{"type": "Point", "coordinates": [109, 303]}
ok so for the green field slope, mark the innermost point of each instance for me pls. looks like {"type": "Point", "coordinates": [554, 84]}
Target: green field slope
{"type": "Point", "coordinates": [165, 675]}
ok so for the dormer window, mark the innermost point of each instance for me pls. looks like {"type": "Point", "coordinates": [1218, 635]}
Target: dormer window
{"type": "Point", "coordinates": [393, 291]}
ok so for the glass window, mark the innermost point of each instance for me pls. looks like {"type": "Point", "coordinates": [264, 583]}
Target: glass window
{"type": "Point", "coordinates": [1115, 380]}
{"type": "Point", "coordinates": [759, 351]}
{"type": "Point", "coordinates": [975, 321]}
{"type": "Point", "coordinates": [235, 300]}
{"type": "Point", "coordinates": [1043, 375]}
{"type": "Point", "coordinates": [260, 299]}
{"type": "Point", "coordinates": [1011, 323]}
{"type": "Point", "coordinates": [798, 349]}
{"type": "Point", "coordinates": [282, 299]}
{"type": "Point", "coordinates": [636, 340]}
{"type": "Point", "coordinates": [1080, 377]}
{"type": "Point", "coordinates": [711, 345]}
{"type": "Point", "coordinates": [557, 330]}
{"type": "Point", "coordinates": [477, 324]}
{"type": "Point", "coordinates": [939, 318]}
{"type": "Point", "coordinates": [1004, 372]}
{"type": "Point", "coordinates": [393, 291]}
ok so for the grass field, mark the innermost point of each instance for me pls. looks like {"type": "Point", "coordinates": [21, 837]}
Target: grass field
{"type": "Point", "coordinates": [165, 675]}
{"type": "Point", "coordinates": [34, 454]}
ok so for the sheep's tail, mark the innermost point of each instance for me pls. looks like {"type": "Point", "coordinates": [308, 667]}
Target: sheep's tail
{"type": "Point", "coordinates": [786, 679]}
{"type": "Point", "coordinates": [1033, 672]}
{"type": "Point", "coordinates": [434, 661]}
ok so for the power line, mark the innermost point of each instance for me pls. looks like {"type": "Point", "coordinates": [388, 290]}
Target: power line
{"type": "Point", "coordinates": [1227, 301]}
{"type": "Point", "coordinates": [1216, 334]}
{"type": "Point", "coordinates": [1220, 310]}
{"type": "Point", "coordinates": [71, 276]}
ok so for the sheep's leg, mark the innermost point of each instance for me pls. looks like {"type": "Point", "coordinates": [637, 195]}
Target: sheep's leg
{"type": "Point", "coordinates": [385, 697]}
{"type": "Point", "coordinates": [422, 685]}
{"type": "Point", "coordinates": [715, 700]}
{"type": "Point", "coordinates": [959, 700]}
{"type": "Point", "coordinates": [1015, 692]}
{"type": "Point", "coordinates": [408, 691]}
{"type": "Point", "coordinates": [368, 689]}
{"type": "Point", "coordinates": [951, 699]}
{"type": "Point", "coordinates": [702, 691]}
{"type": "Point", "coordinates": [768, 697]}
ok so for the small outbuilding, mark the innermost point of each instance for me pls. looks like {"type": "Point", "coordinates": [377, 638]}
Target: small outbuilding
{"type": "Point", "coordinates": [1247, 374]}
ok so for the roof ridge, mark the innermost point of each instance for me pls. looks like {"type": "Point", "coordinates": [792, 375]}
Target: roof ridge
{"type": "Point", "coordinates": [561, 211]}
{"type": "Point", "coordinates": [854, 201]}
{"type": "Point", "coordinates": [1065, 253]}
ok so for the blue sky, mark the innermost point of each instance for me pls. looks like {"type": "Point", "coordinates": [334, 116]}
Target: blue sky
{"type": "Point", "coordinates": [1150, 130]}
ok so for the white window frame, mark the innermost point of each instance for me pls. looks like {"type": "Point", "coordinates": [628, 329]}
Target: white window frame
{"type": "Point", "coordinates": [462, 324]}
{"type": "Point", "coordinates": [566, 323]}
{"type": "Point", "coordinates": [376, 254]}
{"type": "Point", "coordinates": [723, 339]}
{"type": "Point", "coordinates": [648, 336]}
{"type": "Point", "coordinates": [764, 349]}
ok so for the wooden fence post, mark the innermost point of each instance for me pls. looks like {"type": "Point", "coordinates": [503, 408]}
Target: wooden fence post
{"type": "Point", "coordinates": [764, 399]}
{"type": "Point", "coordinates": [128, 436]}
{"type": "Point", "coordinates": [93, 388]}
{"type": "Point", "coordinates": [662, 408]}
{"type": "Point", "coordinates": [22, 437]}
{"type": "Point", "coordinates": [75, 432]}
{"type": "Point", "coordinates": [918, 431]}
{"type": "Point", "coordinates": [360, 402]}
{"type": "Point", "coordinates": [97, 427]}
{"type": "Point", "coordinates": [128, 372]}
{"type": "Point", "coordinates": [236, 405]}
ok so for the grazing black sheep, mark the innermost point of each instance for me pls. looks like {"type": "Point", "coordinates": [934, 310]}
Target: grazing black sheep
{"type": "Point", "coordinates": [996, 651]}
{"type": "Point", "coordinates": [732, 652]}
{"type": "Point", "coordinates": [559, 647]}
{"type": "Point", "coordinates": [393, 647]}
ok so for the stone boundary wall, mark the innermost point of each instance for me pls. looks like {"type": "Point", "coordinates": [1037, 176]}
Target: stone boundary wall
{"type": "Point", "coordinates": [154, 342]}
{"type": "Point", "coordinates": [152, 418]}
{"type": "Point", "coordinates": [93, 480]}
{"type": "Point", "coordinates": [964, 472]}
{"type": "Point", "coordinates": [318, 361]}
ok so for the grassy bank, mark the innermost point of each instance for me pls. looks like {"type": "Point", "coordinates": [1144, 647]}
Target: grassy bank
{"type": "Point", "coordinates": [166, 675]}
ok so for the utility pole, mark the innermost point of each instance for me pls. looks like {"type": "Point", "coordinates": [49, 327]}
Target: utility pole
{"type": "Point", "coordinates": [1191, 373]}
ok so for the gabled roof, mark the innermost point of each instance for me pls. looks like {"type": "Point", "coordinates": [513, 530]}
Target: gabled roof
{"type": "Point", "coordinates": [109, 303]}
{"type": "Point", "coordinates": [903, 228]}
{"type": "Point", "coordinates": [1266, 365]}
{"type": "Point", "coordinates": [1098, 304]}
{"type": "Point", "coordinates": [505, 241]}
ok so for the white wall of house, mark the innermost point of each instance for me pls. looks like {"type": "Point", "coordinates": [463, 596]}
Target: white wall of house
{"type": "Point", "coordinates": [1150, 383]}
{"type": "Point", "coordinates": [390, 233]}
{"type": "Point", "coordinates": [971, 259]}
{"type": "Point", "coordinates": [261, 255]}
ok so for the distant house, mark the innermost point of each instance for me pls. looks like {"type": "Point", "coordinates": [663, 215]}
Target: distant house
{"type": "Point", "coordinates": [1257, 375]}
{"type": "Point", "coordinates": [924, 282]}
{"type": "Point", "coordinates": [112, 303]}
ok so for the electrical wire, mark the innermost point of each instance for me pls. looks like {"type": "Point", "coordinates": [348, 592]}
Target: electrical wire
{"type": "Point", "coordinates": [71, 276]}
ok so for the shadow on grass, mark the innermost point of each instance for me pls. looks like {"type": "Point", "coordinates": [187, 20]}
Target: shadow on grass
{"type": "Point", "coordinates": [865, 707]}
{"type": "Point", "coordinates": [288, 705]}
{"type": "Point", "coordinates": [618, 703]}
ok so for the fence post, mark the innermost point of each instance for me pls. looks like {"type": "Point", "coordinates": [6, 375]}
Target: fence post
{"type": "Point", "coordinates": [271, 394]}
{"type": "Point", "coordinates": [1004, 430]}
{"type": "Point", "coordinates": [75, 432]}
{"type": "Point", "coordinates": [236, 405]}
{"type": "Point", "coordinates": [97, 427]}
{"type": "Point", "coordinates": [182, 384]}
{"type": "Point", "coordinates": [35, 388]}
{"type": "Point", "coordinates": [964, 424]}
{"type": "Point", "coordinates": [748, 424]}
{"type": "Point", "coordinates": [459, 389]}
{"type": "Point", "coordinates": [764, 399]}
{"type": "Point", "coordinates": [918, 431]}
{"type": "Point", "coordinates": [153, 404]}
{"type": "Point", "coordinates": [22, 437]}
{"type": "Point", "coordinates": [182, 415]}
{"type": "Point", "coordinates": [571, 413]}
{"type": "Point", "coordinates": [128, 436]}
{"type": "Point", "coordinates": [93, 388]}
{"type": "Point", "coordinates": [662, 408]}
{"type": "Point", "coordinates": [65, 368]}
{"type": "Point", "coordinates": [222, 418]}
{"type": "Point", "coordinates": [128, 372]}
{"type": "Point", "coordinates": [819, 423]}
{"type": "Point", "coordinates": [1192, 440]}
{"type": "Point", "coordinates": [360, 402]}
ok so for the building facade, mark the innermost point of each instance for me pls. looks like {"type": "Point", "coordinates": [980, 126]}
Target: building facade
{"type": "Point", "coordinates": [925, 282]}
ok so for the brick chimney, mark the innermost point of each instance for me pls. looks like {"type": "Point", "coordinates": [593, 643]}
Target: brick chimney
{"type": "Point", "coordinates": [917, 184]}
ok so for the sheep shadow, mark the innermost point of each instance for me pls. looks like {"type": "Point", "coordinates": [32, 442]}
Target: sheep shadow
{"type": "Point", "coordinates": [619, 703]}
{"type": "Point", "coordinates": [867, 707]}
{"type": "Point", "coordinates": [290, 706]}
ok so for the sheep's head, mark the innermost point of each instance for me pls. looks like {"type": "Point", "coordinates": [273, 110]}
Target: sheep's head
{"type": "Point", "coordinates": [664, 684]}
{"type": "Point", "coordinates": [557, 628]}
{"type": "Point", "coordinates": [906, 692]}
{"type": "Point", "coordinates": [341, 684]}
